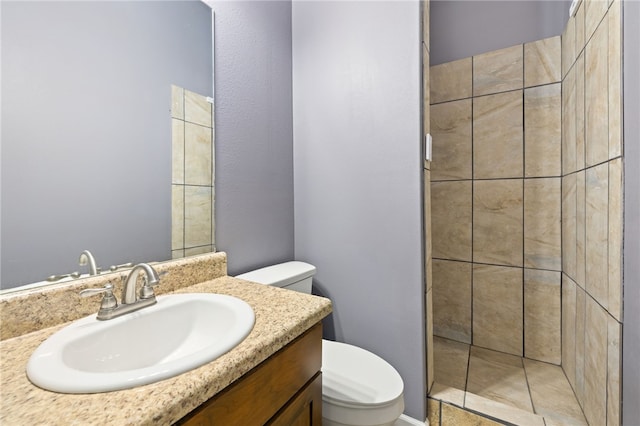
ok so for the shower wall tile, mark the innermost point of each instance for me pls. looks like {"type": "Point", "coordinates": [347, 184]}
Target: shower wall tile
{"type": "Point", "coordinates": [498, 136]}
{"type": "Point", "coordinates": [542, 319]}
{"type": "Point", "coordinates": [594, 12]}
{"type": "Point", "coordinates": [579, 113]}
{"type": "Point", "coordinates": [426, 92]}
{"type": "Point", "coordinates": [177, 217]}
{"type": "Point", "coordinates": [451, 81]}
{"type": "Point", "coordinates": [568, 46]}
{"type": "Point", "coordinates": [427, 222]}
{"type": "Point", "coordinates": [542, 135]}
{"type": "Point", "coordinates": [581, 330]}
{"type": "Point", "coordinates": [451, 415]}
{"type": "Point", "coordinates": [596, 96]}
{"type": "Point", "coordinates": [542, 220]}
{"type": "Point", "coordinates": [451, 131]}
{"type": "Point", "coordinates": [596, 350]}
{"type": "Point", "coordinates": [451, 219]}
{"type": "Point", "coordinates": [613, 371]}
{"type": "Point", "coordinates": [197, 109]}
{"type": "Point", "coordinates": [453, 359]}
{"type": "Point", "coordinates": [498, 71]}
{"type": "Point", "coordinates": [452, 290]}
{"type": "Point", "coordinates": [569, 225]}
{"type": "Point", "coordinates": [569, 329]}
{"type": "Point", "coordinates": [542, 62]}
{"type": "Point", "coordinates": [615, 239]}
{"type": "Point", "coordinates": [579, 28]}
{"type": "Point", "coordinates": [177, 147]}
{"type": "Point", "coordinates": [177, 102]}
{"type": "Point", "coordinates": [497, 308]}
{"type": "Point", "coordinates": [569, 122]}
{"type": "Point", "coordinates": [581, 229]}
{"type": "Point", "coordinates": [498, 222]}
{"type": "Point", "coordinates": [197, 216]}
{"type": "Point", "coordinates": [597, 210]}
{"type": "Point", "coordinates": [198, 154]}
{"type": "Point", "coordinates": [429, 339]}
{"type": "Point", "coordinates": [615, 81]}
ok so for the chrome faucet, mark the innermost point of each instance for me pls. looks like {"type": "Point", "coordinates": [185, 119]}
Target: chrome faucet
{"type": "Point", "coordinates": [109, 307]}
{"type": "Point", "coordinates": [87, 258]}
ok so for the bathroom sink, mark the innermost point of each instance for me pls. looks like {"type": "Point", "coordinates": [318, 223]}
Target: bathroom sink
{"type": "Point", "coordinates": [177, 334]}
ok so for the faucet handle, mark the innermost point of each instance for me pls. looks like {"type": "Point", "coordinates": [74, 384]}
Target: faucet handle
{"type": "Point", "coordinates": [146, 292]}
{"type": "Point", "coordinates": [108, 300]}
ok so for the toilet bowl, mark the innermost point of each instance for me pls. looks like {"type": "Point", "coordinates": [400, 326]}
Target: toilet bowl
{"type": "Point", "coordinates": [358, 387]}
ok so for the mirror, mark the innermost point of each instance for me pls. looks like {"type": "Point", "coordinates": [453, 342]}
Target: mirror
{"type": "Point", "coordinates": [87, 130]}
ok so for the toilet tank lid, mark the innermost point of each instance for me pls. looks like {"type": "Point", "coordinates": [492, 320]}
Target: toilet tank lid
{"type": "Point", "coordinates": [281, 275]}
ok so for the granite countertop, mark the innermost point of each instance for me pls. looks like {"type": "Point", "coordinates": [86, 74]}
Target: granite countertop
{"type": "Point", "coordinates": [281, 316]}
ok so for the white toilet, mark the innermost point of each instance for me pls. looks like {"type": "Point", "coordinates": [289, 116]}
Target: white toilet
{"type": "Point", "coordinates": [358, 387]}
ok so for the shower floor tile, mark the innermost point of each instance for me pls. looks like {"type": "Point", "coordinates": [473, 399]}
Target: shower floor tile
{"type": "Point", "coordinates": [509, 388]}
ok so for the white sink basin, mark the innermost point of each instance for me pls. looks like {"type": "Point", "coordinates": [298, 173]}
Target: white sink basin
{"type": "Point", "coordinates": [179, 333]}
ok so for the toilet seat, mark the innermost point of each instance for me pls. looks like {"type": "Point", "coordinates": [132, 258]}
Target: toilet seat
{"type": "Point", "coordinates": [359, 387]}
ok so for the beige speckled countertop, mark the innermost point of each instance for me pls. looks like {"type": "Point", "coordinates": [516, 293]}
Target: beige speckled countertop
{"type": "Point", "coordinates": [281, 316]}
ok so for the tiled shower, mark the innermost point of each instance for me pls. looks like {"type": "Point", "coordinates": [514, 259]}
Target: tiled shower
{"type": "Point", "coordinates": [526, 223]}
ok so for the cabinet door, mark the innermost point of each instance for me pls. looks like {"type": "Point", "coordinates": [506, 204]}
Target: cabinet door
{"type": "Point", "coordinates": [304, 409]}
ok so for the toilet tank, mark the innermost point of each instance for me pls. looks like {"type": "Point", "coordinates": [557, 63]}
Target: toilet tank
{"type": "Point", "coordinates": [292, 275]}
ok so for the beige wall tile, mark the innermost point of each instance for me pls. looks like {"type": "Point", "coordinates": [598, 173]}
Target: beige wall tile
{"type": "Point", "coordinates": [177, 102]}
{"type": "Point", "coordinates": [579, 113]}
{"type": "Point", "coordinates": [581, 327]}
{"type": "Point", "coordinates": [615, 79]}
{"type": "Point", "coordinates": [451, 415]}
{"type": "Point", "coordinates": [614, 355]}
{"type": "Point", "coordinates": [433, 411]}
{"type": "Point", "coordinates": [498, 222]}
{"type": "Point", "coordinates": [198, 250]}
{"type": "Point", "coordinates": [615, 238]}
{"type": "Point", "coordinates": [581, 229]}
{"type": "Point", "coordinates": [428, 246]}
{"type": "Point", "coordinates": [451, 219]}
{"type": "Point", "coordinates": [569, 225]}
{"type": "Point", "coordinates": [451, 81]}
{"type": "Point", "coordinates": [498, 71]}
{"type": "Point", "coordinates": [596, 96]}
{"type": "Point", "coordinates": [595, 370]}
{"type": "Point", "coordinates": [426, 9]}
{"type": "Point", "coordinates": [594, 12]}
{"type": "Point", "coordinates": [498, 136]}
{"type": "Point", "coordinates": [451, 131]}
{"type": "Point", "coordinates": [551, 394]}
{"type": "Point", "coordinates": [569, 122]}
{"type": "Point", "coordinates": [569, 328]}
{"type": "Point", "coordinates": [542, 130]}
{"type": "Point", "coordinates": [579, 28]}
{"type": "Point", "coordinates": [177, 151]}
{"type": "Point", "coordinates": [197, 216]}
{"type": "Point", "coordinates": [497, 308]}
{"type": "Point", "coordinates": [177, 217]}
{"type": "Point", "coordinates": [430, 343]}
{"type": "Point", "coordinates": [499, 377]}
{"type": "Point", "coordinates": [197, 109]}
{"type": "Point", "coordinates": [452, 293]}
{"type": "Point", "coordinates": [597, 280]}
{"type": "Point", "coordinates": [568, 46]}
{"type": "Point", "coordinates": [542, 220]}
{"type": "Point", "coordinates": [198, 155]}
{"type": "Point", "coordinates": [452, 359]}
{"type": "Point", "coordinates": [542, 322]}
{"type": "Point", "coordinates": [542, 62]}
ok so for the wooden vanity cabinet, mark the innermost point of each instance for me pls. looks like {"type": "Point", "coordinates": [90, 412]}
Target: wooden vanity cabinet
{"type": "Point", "coordinates": [284, 390]}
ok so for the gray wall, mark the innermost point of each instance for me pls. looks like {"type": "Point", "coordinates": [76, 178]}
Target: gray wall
{"type": "Point", "coordinates": [460, 29]}
{"type": "Point", "coordinates": [358, 174]}
{"type": "Point", "coordinates": [86, 128]}
{"type": "Point", "coordinates": [254, 140]}
{"type": "Point", "coordinates": [631, 318]}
